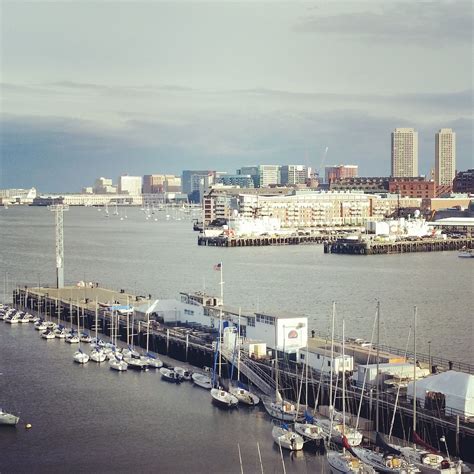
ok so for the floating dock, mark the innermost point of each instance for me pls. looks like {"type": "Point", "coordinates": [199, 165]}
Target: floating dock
{"type": "Point", "coordinates": [369, 247]}
{"type": "Point", "coordinates": [263, 240]}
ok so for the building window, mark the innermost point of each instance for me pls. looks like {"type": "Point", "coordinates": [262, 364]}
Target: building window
{"type": "Point", "coordinates": [329, 363]}
{"type": "Point", "coordinates": [251, 321]}
{"type": "Point", "coordinates": [189, 312]}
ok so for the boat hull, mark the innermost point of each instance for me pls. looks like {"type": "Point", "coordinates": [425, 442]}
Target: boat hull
{"type": "Point", "coordinates": [223, 399]}
{"type": "Point", "coordinates": [8, 419]}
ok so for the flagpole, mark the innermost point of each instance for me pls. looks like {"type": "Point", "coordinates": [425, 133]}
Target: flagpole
{"type": "Point", "coordinates": [220, 320]}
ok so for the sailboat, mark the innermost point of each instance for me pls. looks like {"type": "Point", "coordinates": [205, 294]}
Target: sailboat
{"type": "Point", "coordinates": [307, 428]}
{"type": "Point", "coordinates": [80, 356]}
{"type": "Point", "coordinates": [243, 395]}
{"type": "Point", "coordinates": [284, 437]}
{"type": "Point", "coordinates": [116, 361]}
{"type": "Point", "coordinates": [345, 462]}
{"type": "Point", "coordinates": [8, 418]}
{"type": "Point", "coordinates": [97, 354]}
{"type": "Point", "coordinates": [152, 360]}
{"type": "Point", "coordinates": [427, 459]}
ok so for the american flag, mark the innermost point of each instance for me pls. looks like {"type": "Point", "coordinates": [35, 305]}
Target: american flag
{"type": "Point", "coordinates": [218, 266]}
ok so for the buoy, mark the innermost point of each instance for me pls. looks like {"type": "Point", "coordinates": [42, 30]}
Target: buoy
{"type": "Point", "coordinates": [28, 426]}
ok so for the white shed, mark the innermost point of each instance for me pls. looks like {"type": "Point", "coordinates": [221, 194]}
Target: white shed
{"type": "Point", "coordinates": [457, 388]}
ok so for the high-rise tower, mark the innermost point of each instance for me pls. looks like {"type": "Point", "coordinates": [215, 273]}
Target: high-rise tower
{"type": "Point", "coordinates": [404, 153]}
{"type": "Point", "coordinates": [445, 157]}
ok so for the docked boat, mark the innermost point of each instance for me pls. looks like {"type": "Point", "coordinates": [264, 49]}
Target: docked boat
{"type": "Point", "coordinates": [202, 380]}
{"type": "Point", "coordinates": [24, 318]}
{"type": "Point", "coordinates": [48, 334]}
{"type": "Point", "coordinates": [287, 439]}
{"type": "Point", "coordinates": [73, 338]}
{"type": "Point", "coordinates": [40, 325]}
{"type": "Point", "coordinates": [183, 373]}
{"type": "Point", "coordinates": [309, 431]}
{"type": "Point", "coordinates": [153, 361]}
{"type": "Point", "coordinates": [244, 396]}
{"type": "Point", "coordinates": [281, 409]}
{"type": "Point", "coordinates": [170, 375]}
{"type": "Point", "coordinates": [345, 463]}
{"type": "Point", "coordinates": [354, 437]}
{"type": "Point", "coordinates": [118, 365]}
{"type": "Point", "coordinates": [85, 338]}
{"type": "Point", "coordinates": [385, 464]}
{"type": "Point", "coordinates": [466, 253]}
{"type": "Point", "coordinates": [60, 333]}
{"type": "Point", "coordinates": [8, 418]}
{"type": "Point", "coordinates": [136, 364]}
{"type": "Point", "coordinates": [81, 357]}
{"type": "Point", "coordinates": [98, 355]}
{"type": "Point", "coordinates": [223, 399]}
{"type": "Point", "coordinates": [14, 319]}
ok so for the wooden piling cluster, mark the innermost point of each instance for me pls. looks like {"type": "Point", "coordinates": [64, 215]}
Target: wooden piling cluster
{"type": "Point", "coordinates": [372, 247]}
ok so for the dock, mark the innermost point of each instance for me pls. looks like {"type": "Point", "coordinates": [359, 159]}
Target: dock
{"type": "Point", "coordinates": [264, 240]}
{"type": "Point", "coordinates": [372, 247]}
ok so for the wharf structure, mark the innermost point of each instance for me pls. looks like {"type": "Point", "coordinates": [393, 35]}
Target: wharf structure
{"type": "Point", "coordinates": [187, 330]}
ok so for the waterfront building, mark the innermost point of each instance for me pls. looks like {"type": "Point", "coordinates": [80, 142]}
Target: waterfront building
{"type": "Point", "coordinates": [404, 152]}
{"type": "Point", "coordinates": [131, 185]}
{"type": "Point", "coordinates": [338, 172]}
{"type": "Point", "coordinates": [416, 187]}
{"type": "Point", "coordinates": [17, 196]}
{"type": "Point", "coordinates": [293, 174]}
{"type": "Point", "coordinates": [445, 157]}
{"type": "Point", "coordinates": [361, 184]}
{"type": "Point", "coordinates": [104, 186]}
{"type": "Point", "coordinates": [87, 190]}
{"type": "Point", "coordinates": [161, 183]}
{"type": "Point", "coordinates": [269, 175]}
{"type": "Point", "coordinates": [464, 182]}
{"type": "Point", "coordinates": [88, 199]}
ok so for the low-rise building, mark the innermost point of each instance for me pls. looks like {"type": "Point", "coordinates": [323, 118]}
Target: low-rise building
{"type": "Point", "coordinates": [464, 182]}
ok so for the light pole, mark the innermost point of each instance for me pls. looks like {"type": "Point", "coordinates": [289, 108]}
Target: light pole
{"type": "Point", "coordinates": [429, 354]}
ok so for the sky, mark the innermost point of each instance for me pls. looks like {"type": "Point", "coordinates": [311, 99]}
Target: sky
{"type": "Point", "coordinates": [103, 88]}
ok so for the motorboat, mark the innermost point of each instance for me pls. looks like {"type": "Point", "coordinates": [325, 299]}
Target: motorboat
{"type": "Point", "coordinates": [81, 357]}
{"type": "Point", "coordinates": [8, 418]}
{"type": "Point", "coordinates": [223, 398]}
{"type": "Point", "coordinates": [466, 253]}
{"type": "Point", "coordinates": [170, 375]}
{"type": "Point", "coordinates": [48, 334]}
{"type": "Point", "coordinates": [98, 355]}
{"type": "Point", "coordinates": [118, 365]}
{"type": "Point", "coordinates": [287, 439]}
{"type": "Point", "coordinates": [202, 380]}
{"type": "Point", "coordinates": [183, 373]}
{"type": "Point", "coordinates": [244, 396]}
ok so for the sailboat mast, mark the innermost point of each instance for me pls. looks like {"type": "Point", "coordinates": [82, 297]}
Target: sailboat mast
{"type": "Point", "coordinates": [220, 320]}
{"type": "Point", "coordinates": [414, 374]}
{"type": "Point", "coordinates": [343, 382]}
{"type": "Point", "coordinates": [147, 330]}
{"type": "Point", "coordinates": [238, 348]}
{"type": "Point", "coordinates": [377, 379]}
{"type": "Point", "coordinates": [96, 320]}
{"type": "Point", "coordinates": [332, 355]}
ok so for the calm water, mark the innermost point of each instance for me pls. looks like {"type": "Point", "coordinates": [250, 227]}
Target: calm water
{"type": "Point", "coordinates": [91, 419]}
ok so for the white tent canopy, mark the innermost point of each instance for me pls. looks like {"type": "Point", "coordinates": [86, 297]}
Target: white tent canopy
{"type": "Point", "coordinates": [457, 387]}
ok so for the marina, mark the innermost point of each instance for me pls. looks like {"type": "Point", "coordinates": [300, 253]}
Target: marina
{"type": "Point", "coordinates": [183, 343]}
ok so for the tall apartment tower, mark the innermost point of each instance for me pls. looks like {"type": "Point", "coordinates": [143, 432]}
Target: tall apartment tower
{"type": "Point", "coordinates": [404, 153]}
{"type": "Point", "coordinates": [445, 157]}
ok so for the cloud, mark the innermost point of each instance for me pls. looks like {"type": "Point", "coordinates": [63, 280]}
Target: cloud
{"type": "Point", "coordinates": [432, 23]}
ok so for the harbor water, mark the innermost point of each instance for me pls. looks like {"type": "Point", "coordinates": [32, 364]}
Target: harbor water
{"type": "Point", "coordinates": [93, 419]}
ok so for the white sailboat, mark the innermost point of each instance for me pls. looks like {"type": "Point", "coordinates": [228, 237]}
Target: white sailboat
{"type": "Point", "coordinates": [223, 398]}
{"type": "Point", "coordinates": [8, 418]}
{"type": "Point", "coordinates": [153, 360]}
{"type": "Point", "coordinates": [97, 354]}
{"type": "Point", "coordinates": [287, 439]}
{"type": "Point", "coordinates": [80, 356]}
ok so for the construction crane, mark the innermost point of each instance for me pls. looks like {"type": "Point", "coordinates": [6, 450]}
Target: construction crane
{"type": "Point", "coordinates": [321, 164]}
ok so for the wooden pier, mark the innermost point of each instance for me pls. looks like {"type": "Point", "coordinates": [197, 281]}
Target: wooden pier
{"type": "Point", "coordinates": [264, 240]}
{"type": "Point", "coordinates": [372, 247]}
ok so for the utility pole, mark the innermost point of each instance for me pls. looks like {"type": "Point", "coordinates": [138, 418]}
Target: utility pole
{"type": "Point", "coordinates": [59, 209]}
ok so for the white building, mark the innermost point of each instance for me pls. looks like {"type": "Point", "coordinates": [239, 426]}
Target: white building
{"type": "Point", "coordinates": [294, 174]}
{"type": "Point", "coordinates": [404, 153]}
{"type": "Point", "coordinates": [131, 185]}
{"type": "Point", "coordinates": [445, 157]}
{"type": "Point", "coordinates": [269, 174]}
{"type": "Point", "coordinates": [320, 360]}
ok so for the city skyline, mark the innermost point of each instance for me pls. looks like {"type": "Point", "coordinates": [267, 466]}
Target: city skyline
{"type": "Point", "coordinates": [167, 87]}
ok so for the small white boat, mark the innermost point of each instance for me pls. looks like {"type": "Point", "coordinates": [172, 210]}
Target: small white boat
{"type": "Point", "coordinates": [282, 410]}
{"type": "Point", "coordinates": [7, 418]}
{"type": "Point", "coordinates": [40, 326]}
{"type": "Point", "coordinates": [48, 334]}
{"type": "Point", "coordinates": [128, 352]}
{"type": "Point", "coordinates": [466, 253]}
{"type": "Point", "coordinates": [14, 319]}
{"type": "Point", "coordinates": [136, 364]}
{"type": "Point", "coordinates": [98, 355]}
{"type": "Point", "coordinates": [244, 396]}
{"type": "Point", "coordinates": [202, 380]}
{"type": "Point", "coordinates": [24, 318]}
{"type": "Point", "coordinates": [85, 338]}
{"type": "Point", "coordinates": [153, 361]}
{"type": "Point", "coordinates": [60, 333]}
{"type": "Point", "coordinates": [354, 437]}
{"type": "Point", "coordinates": [183, 373]}
{"type": "Point", "coordinates": [170, 375]}
{"type": "Point", "coordinates": [81, 357]}
{"type": "Point", "coordinates": [223, 399]}
{"type": "Point", "coordinates": [287, 439]}
{"type": "Point", "coordinates": [73, 339]}
{"type": "Point", "coordinates": [385, 464]}
{"type": "Point", "coordinates": [118, 365]}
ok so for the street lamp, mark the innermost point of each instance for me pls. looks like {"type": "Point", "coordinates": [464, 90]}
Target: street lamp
{"type": "Point", "coordinates": [429, 354]}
